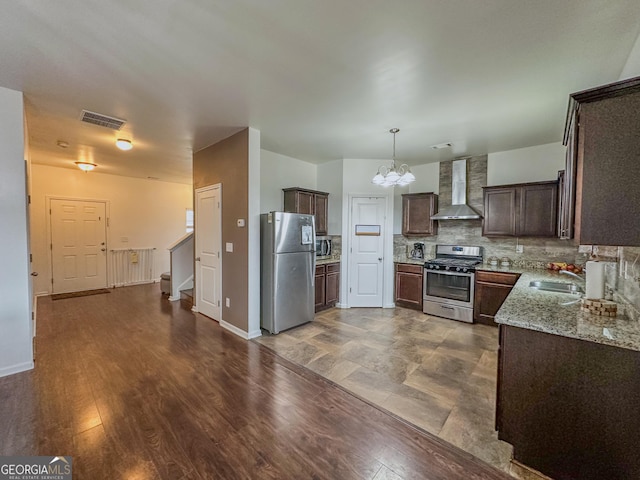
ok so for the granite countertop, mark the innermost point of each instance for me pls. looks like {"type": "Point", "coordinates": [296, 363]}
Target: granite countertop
{"type": "Point", "coordinates": [328, 260]}
{"type": "Point", "coordinates": [539, 310]}
{"type": "Point", "coordinates": [405, 259]}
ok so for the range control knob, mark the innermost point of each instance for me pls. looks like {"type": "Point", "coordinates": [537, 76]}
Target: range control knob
{"type": "Point", "coordinates": [447, 267]}
{"type": "Point", "coordinates": [437, 267]}
{"type": "Point", "coordinates": [465, 270]}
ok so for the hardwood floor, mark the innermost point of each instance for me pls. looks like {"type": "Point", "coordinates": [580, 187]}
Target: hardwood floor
{"type": "Point", "coordinates": [435, 373]}
{"type": "Point", "coordinates": [135, 387]}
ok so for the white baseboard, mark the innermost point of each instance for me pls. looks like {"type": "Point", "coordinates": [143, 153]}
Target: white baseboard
{"type": "Point", "coordinates": [389, 305]}
{"type": "Point", "coordinates": [342, 305]}
{"type": "Point", "coordinates": [255, 334]}
{"type": "Point", "coordinates": [194, 309]}
{"type": "Point", "coordinates": [20, 367]}
{"type": "Point", "coordinates": [173, 299]}
{"type": "Point", "coordinates": [233, 329]}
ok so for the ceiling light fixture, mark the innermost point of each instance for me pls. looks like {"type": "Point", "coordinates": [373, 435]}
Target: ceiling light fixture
{"type": "Point", "coordinates": [86, 166]}
{"type": "Point", "coordinates": [124, 144]}
{"type": "Point", "coordinates": [62, 144]}
{"type": "Point", "coordinates": [390, 176]}
{"type": "Point", "coordinates": [442, 145]}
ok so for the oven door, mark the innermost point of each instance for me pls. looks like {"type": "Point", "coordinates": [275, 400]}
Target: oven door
{"type": "Point", "coordinates": [452, 288]}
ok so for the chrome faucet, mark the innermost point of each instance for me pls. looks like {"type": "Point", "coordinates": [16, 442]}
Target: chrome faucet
{"type": "Point", "coordinates": [581, 294]}
{"type": "Point", "coordinates": [567, 272]}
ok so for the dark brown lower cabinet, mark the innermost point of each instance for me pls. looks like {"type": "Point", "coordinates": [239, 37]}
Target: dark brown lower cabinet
{"type": "Point", "coordinates": [409, 285]}
{"type": "Point", "coordinates": [327, 285]}
{"type": "Point", "coordinates": [491, 290]}
{"type": "Point", "coordinates": [569, 407]}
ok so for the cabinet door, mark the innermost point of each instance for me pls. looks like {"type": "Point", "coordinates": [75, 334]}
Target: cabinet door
{"type": "Point", "coordinates": [538, 210]}
{"type": "Point", "coordinates": [409, 286]}
{"type": "Point", "coordinates": [321, 209]}
{"type": "Point", "coordinates": [305, 203]}
{"type": "Point", "coordinates": [320, 287]}
{"type": "Point", "coordinates": [566, 211]}
{"type": "Point", "coordinates": [332, 284]}
{"type": "Point", "coordinates": [488, 299]}
{"type": "Point", "coordinates": [500, 210]}
{"type": "Point", "coordinates": [417, 209]}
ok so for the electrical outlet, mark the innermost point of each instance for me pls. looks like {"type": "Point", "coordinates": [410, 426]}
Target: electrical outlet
{"type": "Point", "coordinates": [227, 302]}
{"type": "Point", "coordinates": [519, 248]}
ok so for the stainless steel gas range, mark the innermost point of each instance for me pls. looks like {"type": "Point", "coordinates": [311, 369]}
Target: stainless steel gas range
{"type": "Point", "coordinates": [449, 281]}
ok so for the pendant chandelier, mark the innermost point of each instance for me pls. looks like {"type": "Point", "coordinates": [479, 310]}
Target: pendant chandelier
{"type": "Point", "coordinates": [391, 176]}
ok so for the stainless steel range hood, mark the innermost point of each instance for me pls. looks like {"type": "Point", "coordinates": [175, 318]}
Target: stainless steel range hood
{"type": "Point", "coordinates": [459, 210]}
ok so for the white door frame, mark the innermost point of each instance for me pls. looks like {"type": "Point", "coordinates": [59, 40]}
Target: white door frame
{"type": "Point", "coordinates": [387, 262]}
{"type": "Point", "coordinates": [217, 186]}
{"type": "Point", "coordinates": [107, 210]}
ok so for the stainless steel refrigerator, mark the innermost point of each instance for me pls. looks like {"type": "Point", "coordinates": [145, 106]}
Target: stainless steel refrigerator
{"type": "Point", "coordinates": [287, 244]}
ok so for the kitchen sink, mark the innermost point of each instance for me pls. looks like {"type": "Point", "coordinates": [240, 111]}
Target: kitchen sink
{"type": "Point", "coordinates": [558, 287]}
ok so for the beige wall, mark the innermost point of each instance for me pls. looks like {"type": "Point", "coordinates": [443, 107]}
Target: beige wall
{"type": "Point", "coordinates": [147, 213]}
{"type": "Point", "coordinates": [227, 163]}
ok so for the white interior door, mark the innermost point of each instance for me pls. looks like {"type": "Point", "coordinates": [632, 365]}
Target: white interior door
{"type": "Point", "coordinates": [78, 245]}
{"type": "Point", "coordinates": [208, 231]}
{"type": "Point", "coordinates": [366, 269]}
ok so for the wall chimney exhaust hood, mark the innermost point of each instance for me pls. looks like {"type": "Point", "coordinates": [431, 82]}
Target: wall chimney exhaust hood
{"type": "Point", "coordinates": [459, 210]}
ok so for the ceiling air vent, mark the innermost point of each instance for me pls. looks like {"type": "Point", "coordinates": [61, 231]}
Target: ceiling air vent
{"type": "Point", "coordinates": [102, 120]}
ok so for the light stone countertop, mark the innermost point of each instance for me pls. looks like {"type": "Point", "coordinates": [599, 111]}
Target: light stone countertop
{"type": "Point", "coordinates": [526, 307]}
{"type": "Point", "coordinates": [328, 260]}
{"type": "Point", "coordinates": [405, 259]}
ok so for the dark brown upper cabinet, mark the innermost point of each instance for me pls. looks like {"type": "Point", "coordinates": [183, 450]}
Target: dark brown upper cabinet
{"type": "Point", "coordinates": [521, 210]}
{"type": "Point", "coordinates": [601, 198]}
{"type": "Point", "coordinates": [417, 209]}
{"type": "Point", "coordinates": [310, 202]}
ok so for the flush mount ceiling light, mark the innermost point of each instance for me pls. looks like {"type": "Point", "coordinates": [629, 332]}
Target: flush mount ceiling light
{"type": "Point", "coordinates": [86, 166]}
{"type": "Point", "coordinates": [62, 144]}
{"type": "Point", "coordinates": [390, 176]}
{"type": "Point", "coordinates": [442, 145]}
{"type": "Point", "coordinates": [124, 144]}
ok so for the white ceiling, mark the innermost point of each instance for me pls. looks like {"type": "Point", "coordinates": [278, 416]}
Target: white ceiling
{"type": "Point", "coordinates": [321, 80]}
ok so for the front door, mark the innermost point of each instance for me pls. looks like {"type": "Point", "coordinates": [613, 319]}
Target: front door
{"type": "Point", "coordinates": [78, 245]}
{"type": "Point", "coordinates": [208, 231]}
{"type": "Point", "coordinates": [366, 270]}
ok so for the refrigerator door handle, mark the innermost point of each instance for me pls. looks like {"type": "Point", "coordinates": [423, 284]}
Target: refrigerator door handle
{"type": "Point", "coordinates": [313, 270]}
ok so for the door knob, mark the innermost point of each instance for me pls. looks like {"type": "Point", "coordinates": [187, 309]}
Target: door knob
{"type": "Point", "coordinates": [103, 249]}
{"type": "Point", "coordinates": [197, 259]}
{"type": "Point", "coordinates": [34, 274]}
{"type": "Point", "coordinates": [379, 259]}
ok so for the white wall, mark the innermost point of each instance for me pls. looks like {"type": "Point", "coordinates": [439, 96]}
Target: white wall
{"type": "Point", "coordinates": [16, 352]}
{"type": "Point", "coordinates": [255, 179]}
{"type": "Point", "coordinates": [530, 164]}
{"type": "Point", "coordinates": [632, 67]}
{"type": "Point", "coordinates": [330, 181]}
{"type": "Point", "coordinates": [149, 213]}
{"type": "Point", "coordinates": [278, 172]}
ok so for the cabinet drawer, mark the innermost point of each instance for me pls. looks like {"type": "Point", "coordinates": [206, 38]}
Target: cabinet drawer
{"type": "Point", "coordinates": [320, 269]}
{"type": "Point", "coordinates": [497, 277]}
{"type": "Point", "coordinates": [333, 267]}
{"type": "Point", "coordinates": [410, 268]}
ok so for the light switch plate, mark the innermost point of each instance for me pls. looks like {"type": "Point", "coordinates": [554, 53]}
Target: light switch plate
{"type": "Point", "coordinates": [229, 247]}
{"type": "Point", "coordinates": [519, 248]}
{"type": "Point", "coordinates": [240, 222]}
{"type": "Point", "coordinates": [227, 302]}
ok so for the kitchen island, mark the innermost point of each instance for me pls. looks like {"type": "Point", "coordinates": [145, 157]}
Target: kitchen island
{"type": "Point", "coordinates": [568, 385]}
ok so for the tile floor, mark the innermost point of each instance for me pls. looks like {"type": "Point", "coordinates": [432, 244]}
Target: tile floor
{"type": "Point", "coordinates": [438, 374]}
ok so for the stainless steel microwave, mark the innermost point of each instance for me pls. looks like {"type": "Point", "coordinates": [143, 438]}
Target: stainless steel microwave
{"type": "Point", "coordinates": [323, 247]}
